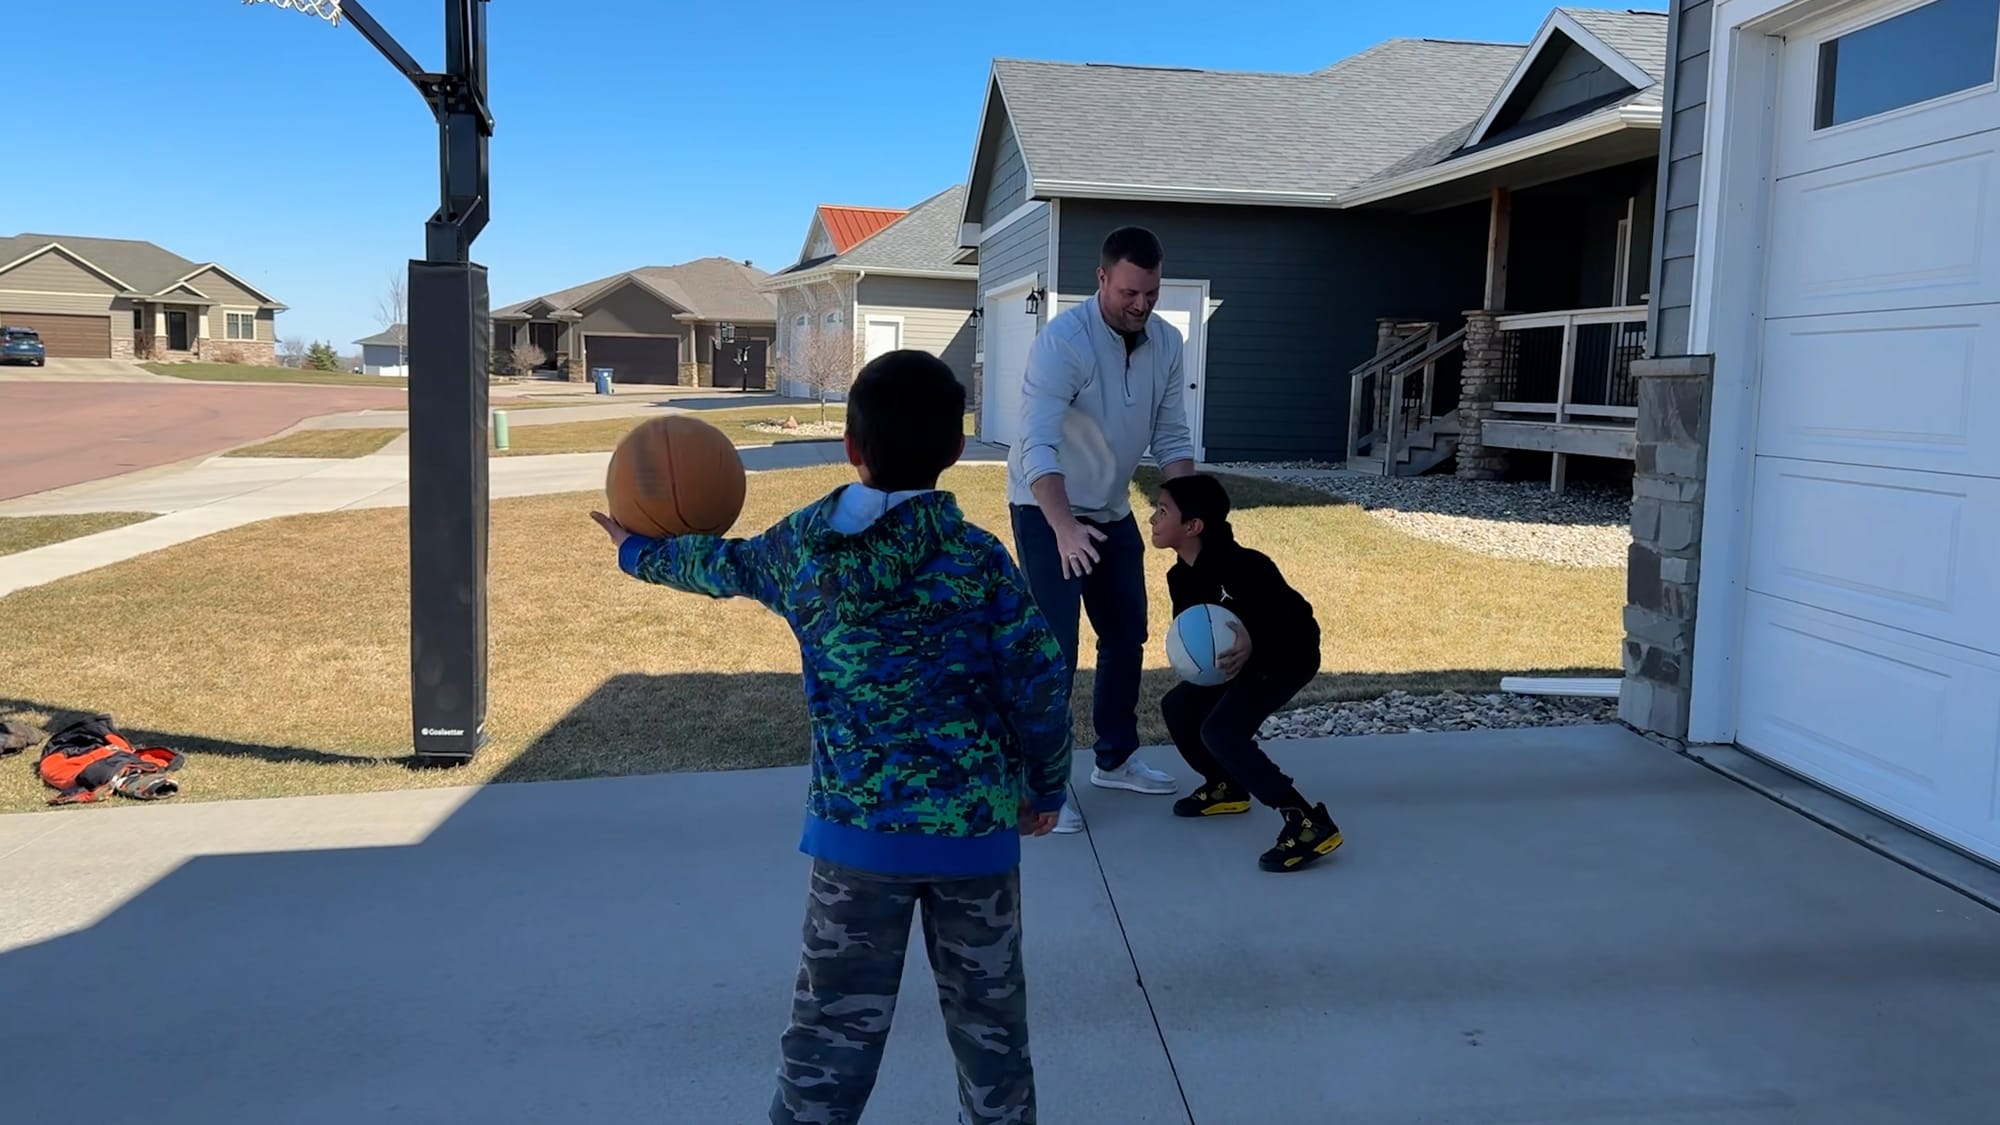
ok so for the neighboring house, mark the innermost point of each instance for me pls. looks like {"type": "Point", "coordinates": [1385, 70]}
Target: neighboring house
{"type": "Point", "coordinates": [108, 298]}
{"type": "Point", "coordinates": [386, 353]}
{"type": "Point", "coordinates": [1319, 223]}
{"type": "Point", "coordinates": [658, 324]}
{"type": "Point", "coordinates": [873, 281]}
{"type": "Point", "coordinates": [1818, 507]}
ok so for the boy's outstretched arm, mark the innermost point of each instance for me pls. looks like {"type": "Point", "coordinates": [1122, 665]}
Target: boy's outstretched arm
{"type": "Point", "coordinates": [1034, 688]}
{"type": "Point", "coordinates": [707, 564]}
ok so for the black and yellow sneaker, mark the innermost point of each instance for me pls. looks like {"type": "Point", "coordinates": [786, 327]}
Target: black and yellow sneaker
{"type": "Point", "coordinates": [1217, 798]}
{"type": "Point", "coordinates": [1308, 835]}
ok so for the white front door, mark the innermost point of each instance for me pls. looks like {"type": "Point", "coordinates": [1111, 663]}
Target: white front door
{"type": "Point", "coordinates": [882, 334]}
{"type": "Point", "coordinates": [1184, 304]}
{"type": "Point", "coordinates": [1010, 332]}
{"type": "Point", "coordinates": [1870, 647]}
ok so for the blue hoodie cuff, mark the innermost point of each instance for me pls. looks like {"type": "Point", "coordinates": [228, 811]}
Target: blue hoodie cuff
{"type": "Point", "coordinates": [1051, 803]}
{"type": "Point", "coordinates": [630, 551]}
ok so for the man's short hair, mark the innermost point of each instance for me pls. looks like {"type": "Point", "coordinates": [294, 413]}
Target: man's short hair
{"type": "Point", "coordinates": [906, 413]}
{"type": "Point", "coordinates": [1136, 245]}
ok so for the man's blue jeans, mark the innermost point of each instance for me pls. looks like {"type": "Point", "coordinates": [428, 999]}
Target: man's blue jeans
{"type": "Point", "coordinates": [1114, 595]}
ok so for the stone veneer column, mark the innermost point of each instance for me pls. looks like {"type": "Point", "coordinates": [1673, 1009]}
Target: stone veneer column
{"type": "Point", "coordinates": [1385, 332]}
{"type": "Point", "coordinates": [1476, 397]}
{"type": "Point", "coordinates": [1669, 485]}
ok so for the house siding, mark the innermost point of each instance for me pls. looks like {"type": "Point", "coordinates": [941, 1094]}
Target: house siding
{"type": "Point", "coordinates": [937, 315]}
{"type": "Point", "coordinates": [1007, 188]}
{"type": "Point", "coordinates": [630, 310]}
{"type": "Point", "coordinates": [1577, 77]}
{"type": "Point", "coordinates": [1296, 295]}
{"type": "Point", "coordinates": [53, 283]}
{"type": "Point", "coordinates": [1014, 253]}
{"type": "Point", "coordinates": [1682, 132]}
{"type": "Point", "coordinates": [228, 295]}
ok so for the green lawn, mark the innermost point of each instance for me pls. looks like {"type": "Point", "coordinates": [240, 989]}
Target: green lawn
{"type": "Point", "coordinates": [594, 674]}
{"type": "Point", "coordinates": [25, 533]}
{"type": "Point", "coordinates": [247, 373]}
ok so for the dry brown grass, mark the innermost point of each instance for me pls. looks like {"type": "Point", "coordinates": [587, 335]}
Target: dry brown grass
{"type": "Point", "coordinates": [25, 533]}
{"type": "Point", "coordinates": [277, 653]}
{"type": "Point", "coordinates": [601, 435]}
{"type": "Point", "coordinates": [323, 443]}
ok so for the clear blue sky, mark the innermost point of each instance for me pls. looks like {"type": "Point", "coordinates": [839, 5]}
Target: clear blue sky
{"type": "Point", "coordinates": [630, 132]}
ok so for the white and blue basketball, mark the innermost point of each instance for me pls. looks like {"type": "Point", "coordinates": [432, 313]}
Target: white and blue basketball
{"type": "Point", "coordinates": [1197, 639]}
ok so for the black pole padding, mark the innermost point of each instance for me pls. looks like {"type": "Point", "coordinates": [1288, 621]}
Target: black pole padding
{"type": "Point", "coordinates": [450, 358]}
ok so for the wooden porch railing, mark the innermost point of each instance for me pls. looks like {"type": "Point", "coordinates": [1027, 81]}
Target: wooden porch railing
{"type": "Point", "coordinates": [1575, 364]}
{"type": "Point", "coordinates": [1396, 392]}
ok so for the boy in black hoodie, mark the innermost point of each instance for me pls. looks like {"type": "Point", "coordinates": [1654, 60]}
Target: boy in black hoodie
{"type": "Point", "coordinates": [1276, 654]}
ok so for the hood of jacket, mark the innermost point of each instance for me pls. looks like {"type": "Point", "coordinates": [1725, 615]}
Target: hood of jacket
{"type": "Point", "coordinates": [868, 545]}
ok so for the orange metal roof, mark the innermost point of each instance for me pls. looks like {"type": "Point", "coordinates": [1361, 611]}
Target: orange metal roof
{"type": "Point", "coordinates": [849, 225]}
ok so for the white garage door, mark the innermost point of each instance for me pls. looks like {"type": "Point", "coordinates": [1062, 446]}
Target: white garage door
{"type": "Point", "coordinates": [1010, 332]}
{"type": "Point", "coordinates": [1871, 638]}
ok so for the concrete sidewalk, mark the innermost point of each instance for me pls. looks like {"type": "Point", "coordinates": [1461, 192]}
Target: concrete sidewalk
{"type": "Point", "coordinates": [1568, 925]}
{"type": "Point", "coordinates": [226, 492]}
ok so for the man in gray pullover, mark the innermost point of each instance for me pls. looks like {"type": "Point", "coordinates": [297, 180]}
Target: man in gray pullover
{"type": "Point", "coordinates": [1104, 385]}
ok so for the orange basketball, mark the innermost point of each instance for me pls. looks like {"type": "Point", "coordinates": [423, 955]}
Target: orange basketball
{"type": "Point", "coordinates": [675, 475]}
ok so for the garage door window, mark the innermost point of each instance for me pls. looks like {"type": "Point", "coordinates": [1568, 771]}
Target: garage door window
{"type": "Point", "coordinates": [1925, 53]}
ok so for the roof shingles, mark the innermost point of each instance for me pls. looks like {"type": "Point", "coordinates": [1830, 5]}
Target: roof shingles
{"type": "Point", "coordinates": [142, 265]}
{"type": "Point", "coordinates": [1341, 125]}
{"type": "Point", "coordinates": [708, 288]}
{"type": "Point", "coordinates": [1398, 106]}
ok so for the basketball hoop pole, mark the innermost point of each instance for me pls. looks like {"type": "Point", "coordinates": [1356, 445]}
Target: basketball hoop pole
{"type": "Point", "coordinates": [450, 352]}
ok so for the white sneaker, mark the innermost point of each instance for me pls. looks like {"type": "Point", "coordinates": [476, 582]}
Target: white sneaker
{"type": "Point", "coordinates": [1069, 821]}
{"type": "Point", "coordinates": [1136, 776]}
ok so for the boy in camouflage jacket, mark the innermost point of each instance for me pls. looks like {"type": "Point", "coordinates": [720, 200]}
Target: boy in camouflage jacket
{"type": "Point", "coordinates": [941, 734]}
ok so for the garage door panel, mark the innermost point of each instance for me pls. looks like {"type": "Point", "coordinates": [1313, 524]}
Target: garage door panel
{"type": "Point", "coordinates": [1010, 333]}
{"type": "Point", "coordinates": [635, 359]}
{"type": "Point", "coordinates": [1908, 725]}
{"type": "Point", "coordinates": [1910, 229]}
{"type": "Point", "coordinates": [1900, 75]}
{"type": "Point", "coordinates": [1907, 389]}
{"type": "Point", "coordinates": [1910, 551]}
{"type": "Point", "coordinates": [66, 335]}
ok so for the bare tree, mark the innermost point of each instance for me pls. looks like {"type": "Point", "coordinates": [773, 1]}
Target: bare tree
{"type": "Point", "coordinates": [393, 310]}
{"type": "Point", "coordinates": [525, 357]}
{"type": "Point", "coordinates": [292, 350]}
{"type": "Point", "coordinates": [825, 363]}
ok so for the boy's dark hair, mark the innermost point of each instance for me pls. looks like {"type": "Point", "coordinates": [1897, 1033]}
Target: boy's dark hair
{"type": "Point", "coordinates": [1136, 245]}
{"type": "Point", "coordinates": [1202, 497]}
{"type": "Point", "coordinates": [906, 413]}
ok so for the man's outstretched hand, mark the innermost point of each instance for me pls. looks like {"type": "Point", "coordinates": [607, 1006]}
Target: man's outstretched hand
{"type": "Point", "coordinates": [612, 528]}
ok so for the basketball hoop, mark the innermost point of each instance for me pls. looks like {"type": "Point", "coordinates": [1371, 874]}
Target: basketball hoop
{"type": "Point", "coordinates": [328, 10]}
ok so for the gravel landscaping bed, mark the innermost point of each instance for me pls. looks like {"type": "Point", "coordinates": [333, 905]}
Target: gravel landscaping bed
{"type": "Point", "coordinates": [1589, 525]}
{"type": "Point", "coordinates": [802, 429]}
{"type": "Point", "coordinates": [1399, 712]}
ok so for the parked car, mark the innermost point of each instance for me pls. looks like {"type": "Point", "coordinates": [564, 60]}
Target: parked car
{"type": "Point", "coordinates": [22, 345]}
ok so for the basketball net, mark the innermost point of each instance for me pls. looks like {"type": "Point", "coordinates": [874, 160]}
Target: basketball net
{"type": "Point", "coordinates": [328, 10]}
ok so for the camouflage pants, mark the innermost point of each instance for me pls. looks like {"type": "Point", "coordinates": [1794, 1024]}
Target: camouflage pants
{"type": "Point", "coordinates": [857, 930]}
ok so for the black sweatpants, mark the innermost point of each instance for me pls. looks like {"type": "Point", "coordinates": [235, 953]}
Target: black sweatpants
{"type": "Point", "coordinates": [1215, 728]}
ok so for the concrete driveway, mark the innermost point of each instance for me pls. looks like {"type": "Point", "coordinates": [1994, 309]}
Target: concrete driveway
{"type": "Point", "coordinates": [66, 432]}
{"type": "Point", "coordinates": [1540, 926]}
{"type": "Point", "coordinates": [60, 369]}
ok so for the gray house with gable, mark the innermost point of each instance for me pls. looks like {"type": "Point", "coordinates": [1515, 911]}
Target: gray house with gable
{"type": "Point", "coordinates": [1328, 233]}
